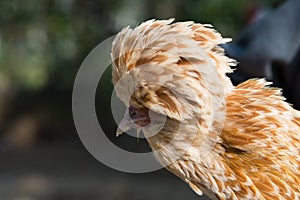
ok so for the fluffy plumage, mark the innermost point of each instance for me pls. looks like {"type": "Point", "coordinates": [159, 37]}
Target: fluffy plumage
{"type": "Point", "coordinates": [229, 142]}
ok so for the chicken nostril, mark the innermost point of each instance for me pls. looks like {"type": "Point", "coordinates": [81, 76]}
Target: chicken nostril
{"type": "Point", "coordinates": [132, 111]}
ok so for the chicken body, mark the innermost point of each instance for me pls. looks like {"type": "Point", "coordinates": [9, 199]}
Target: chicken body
{"type": "Point", "coordinates": [229, 142]}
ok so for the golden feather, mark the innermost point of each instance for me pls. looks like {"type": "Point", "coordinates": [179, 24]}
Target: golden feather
{"type": "Point", "coordinates": [234, 142]}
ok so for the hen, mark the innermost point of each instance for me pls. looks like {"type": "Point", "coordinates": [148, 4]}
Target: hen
{"type": "Point", "coordinates": [229, 142]}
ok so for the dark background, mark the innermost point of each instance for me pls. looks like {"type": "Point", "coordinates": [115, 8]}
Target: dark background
{"type": "Point", "coordinates": [42, 45]}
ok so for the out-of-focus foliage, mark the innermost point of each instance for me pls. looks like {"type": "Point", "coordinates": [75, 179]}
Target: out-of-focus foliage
{"type": "Point", "coordinates": [42, 42]}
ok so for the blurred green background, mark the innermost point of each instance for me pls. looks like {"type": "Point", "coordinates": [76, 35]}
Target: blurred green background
{"type": "Point", "coordinates": [42, 44]}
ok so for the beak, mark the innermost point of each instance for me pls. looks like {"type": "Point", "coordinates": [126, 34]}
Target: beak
{"type": "Point", "coordinates": [125, 124]}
